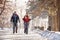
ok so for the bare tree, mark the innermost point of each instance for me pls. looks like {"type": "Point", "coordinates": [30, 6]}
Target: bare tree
{"type": "Point", "coordinates": [2, 8]}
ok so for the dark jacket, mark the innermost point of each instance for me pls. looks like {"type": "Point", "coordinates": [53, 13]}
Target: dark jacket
{"type": "Point", "coordinates": [14, 18]}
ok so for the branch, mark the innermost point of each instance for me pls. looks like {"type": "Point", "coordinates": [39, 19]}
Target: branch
{"type": "Point", "coordinates": [3, 7]}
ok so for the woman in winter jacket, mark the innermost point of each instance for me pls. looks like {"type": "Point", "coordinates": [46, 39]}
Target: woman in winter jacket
{"type": "Point", "coordinates": [26, 20]}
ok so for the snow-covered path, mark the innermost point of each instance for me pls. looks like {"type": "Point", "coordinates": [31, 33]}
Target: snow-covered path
{"type": "Point", "coordinates": [51, 35]}
{"type": "Point", "coordinates": [7, 34]}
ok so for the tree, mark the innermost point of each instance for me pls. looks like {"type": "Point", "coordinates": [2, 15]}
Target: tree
{"type": "Point", "coordinates": [2, 8]}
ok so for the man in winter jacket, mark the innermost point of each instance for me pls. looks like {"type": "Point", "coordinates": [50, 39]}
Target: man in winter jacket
{"type": "Point", "coordinates": [15, 19]}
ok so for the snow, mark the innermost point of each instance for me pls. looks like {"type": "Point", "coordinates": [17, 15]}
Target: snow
{"type": "Point", "coordinates": [48, 34]}
{"type": "Point", "coordinates": [6, 34]}
{"type": "Point", "coordinates": [36, 34]}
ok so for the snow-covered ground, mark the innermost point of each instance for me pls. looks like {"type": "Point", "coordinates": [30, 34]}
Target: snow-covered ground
{"type": "Point", "coordinates": [48, 34]}
{"type": "Point", "coordinates": [6, 34]}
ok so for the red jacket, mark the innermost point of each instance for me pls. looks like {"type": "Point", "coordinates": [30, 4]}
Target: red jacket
{"type": "Point", "coordinates": [27, 19]}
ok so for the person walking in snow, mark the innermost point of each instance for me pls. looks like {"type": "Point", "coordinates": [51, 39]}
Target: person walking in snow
{"type": "Point", "coordinates": [26, 20]}
{"type": "Point", "coordinates": [14, 20]}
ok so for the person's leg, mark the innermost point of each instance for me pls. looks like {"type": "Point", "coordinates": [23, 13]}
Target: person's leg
{"type": "Point", "coordinates": [13, 28]}
{"type": "Point", "coordinates": [26, 28]}
{"type": "Point", "coordinates": [16, 28]}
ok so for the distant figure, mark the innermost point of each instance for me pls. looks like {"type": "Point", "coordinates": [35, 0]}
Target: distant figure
{"type": "Point", "coordinates": [49, 28]}
{"type": "Point", "coordinates": [26, 20]}
{"type": "Point", "coordinates": [15, 19]}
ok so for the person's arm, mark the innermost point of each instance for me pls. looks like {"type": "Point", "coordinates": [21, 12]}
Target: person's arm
{"type": "Point", "coordinates": [23, 19]}
{"type": "Point", "coordinates": [18, 19]}
{"type": "Point", "coordinates": [29, 19]}
{"type": "Point", "coordinates": [11, 18]}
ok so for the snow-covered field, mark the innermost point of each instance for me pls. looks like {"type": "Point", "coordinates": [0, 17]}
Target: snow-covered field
{"type": "Point", "coordinates": [6, 34]}
{"type": "Point", "coordinates": [48, 34]}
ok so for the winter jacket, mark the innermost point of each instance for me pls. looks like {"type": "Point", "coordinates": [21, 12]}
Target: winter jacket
{"type": "Point", "coordinates": [14, 18]}
{"type": "Point", "coordinates": [26, 19]}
